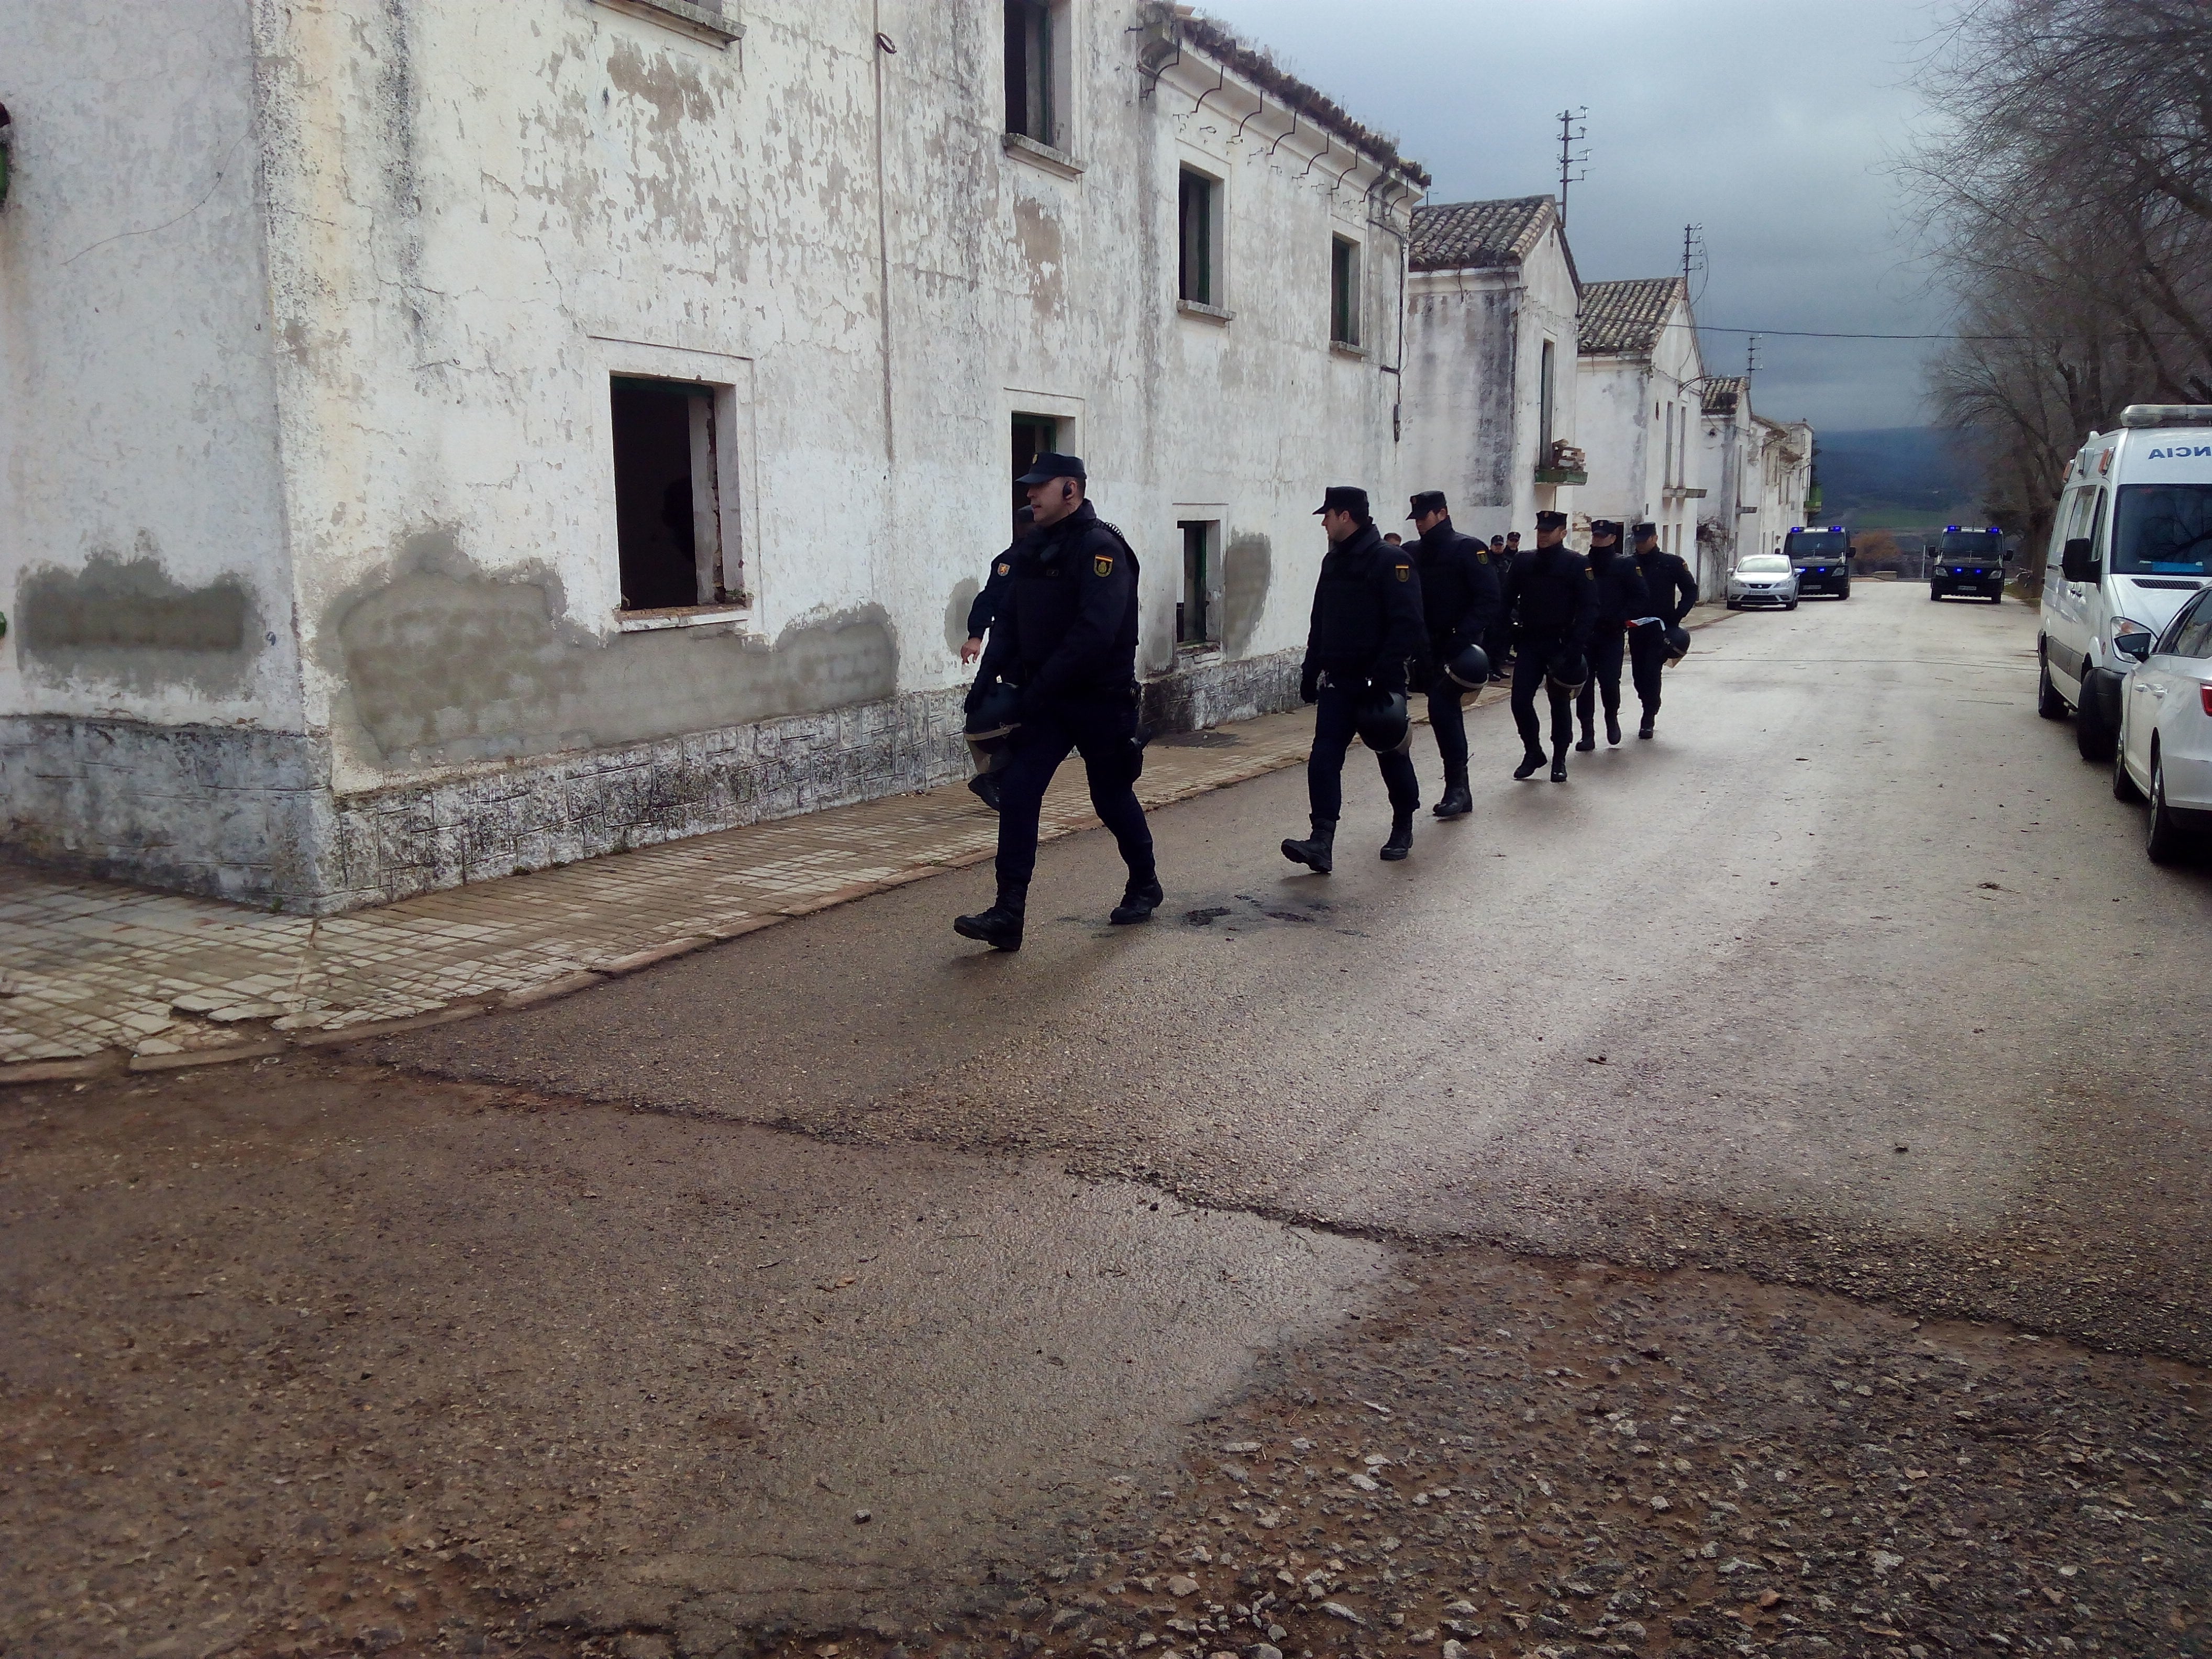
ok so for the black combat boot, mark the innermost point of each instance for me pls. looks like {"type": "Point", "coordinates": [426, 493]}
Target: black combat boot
{"type": "Point", "coordinates": [1531, 761]}
{"type": "Point", "coordinates": [984, 786]}
{"type": "Point", "coordinates": [1590, 738]}
{"type": "Point", "coordinates": [1318, 854]}
{"type": "Point", "coordinates": [1613, 725]}
{"type": "Point", "coordinates": [1649, 721]}
{"type": "Point", "coordinates": [1559, 762]}
{"type": "Point", "coordinates": [1457, 802]}
{"type": "Point", "coordinates": [1000, 927]}
{"type": "Point", "coordinates": [1138, 900]}
{"type": "Point", "coordinates": [1401, 834]}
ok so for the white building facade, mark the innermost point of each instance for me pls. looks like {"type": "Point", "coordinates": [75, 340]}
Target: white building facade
{"type": "Point", "coordinates": [1639, 372]}
{"type": "Point", "coordinates": [1490, 378]}
{"type": "Point", "coordinates": [443, 440]}
{"type": "Point", "coordinates": [1760, 472]}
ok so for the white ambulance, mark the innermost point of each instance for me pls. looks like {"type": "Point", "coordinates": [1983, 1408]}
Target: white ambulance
{"type": "Point", "coordinates": [2132, 541]}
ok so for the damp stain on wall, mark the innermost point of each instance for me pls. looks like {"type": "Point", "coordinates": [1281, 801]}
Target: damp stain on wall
{"type": "Point", "coordinates": [127, 623]}
{"type": "Point", "coordinates": [1247, 565]}
{"type": "Point", "coordinates": [445, 665]}
{"type": "Point", "coordinates": [955, 612]}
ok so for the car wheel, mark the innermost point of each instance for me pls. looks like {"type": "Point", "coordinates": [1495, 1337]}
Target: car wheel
{"type": "Point", "coordinates": [1844, 591]}
{"type": "Point", "coordinates": [1934, 592]}
{"type": "Point", "coordinates": [2123, 786]}
{"type": "Point", "coordinates": [2092, 737]}
{"type": "Point", "coordinates": [1733, 606]}
{"type": "Point", "coordinates": [1792, 605]}
{"type": "Point", "coordinates": [2166, 841]}
{"type": "Point", "coordinates": [1997, 597]}
{"type": "Point", "coordinates": [2048, 703]}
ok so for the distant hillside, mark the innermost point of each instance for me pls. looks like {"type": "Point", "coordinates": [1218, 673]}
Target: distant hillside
{"type": "Point", "coordinates": [1904, 476]}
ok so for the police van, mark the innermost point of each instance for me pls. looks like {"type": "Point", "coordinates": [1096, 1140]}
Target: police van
{"type": "Point", "coordinates": [1822, 559]}
{"type": "Point", "coordinates": [2131, 542]}
{"type": "Point", "coordinates": [1969, 562]}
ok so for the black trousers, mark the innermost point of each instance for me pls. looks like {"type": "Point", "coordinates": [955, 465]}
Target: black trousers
{"type": "Point", "coordinates": [1102, 734]}
{"type": "Point", "coordinates": [1532, 657]}
{"type": "Point", "coordinates": [1647, 655]}
{"type": "Point", "coordinates": [1607, 647]}
{"type": "Point", "coordinates": [1335, 727]}
{"type": "Point", "coordinates": [1449, 722]}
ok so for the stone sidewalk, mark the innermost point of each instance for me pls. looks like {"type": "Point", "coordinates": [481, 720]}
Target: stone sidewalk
{"type": "Point", "coordinates": [95, 974]}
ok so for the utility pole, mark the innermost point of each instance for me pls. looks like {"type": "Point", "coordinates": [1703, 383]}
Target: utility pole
{"type": "Point", "coordinates": [1574, 127]}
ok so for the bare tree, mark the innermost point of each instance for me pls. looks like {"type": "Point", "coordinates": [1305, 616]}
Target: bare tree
{"type": "Point", "coordinates": [2067, 200]}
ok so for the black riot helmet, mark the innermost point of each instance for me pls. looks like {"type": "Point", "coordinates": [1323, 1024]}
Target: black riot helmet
{"type": "Point", "coordinates": [992, 719]}
{"type": "Point", "coordinates": [1468, 668]}
{"type": "Point", "coordinates": [1384, 722]}
{"type": "Point", "coordinates": [1568, 670]}
{"type": "Point", "coordinates": [1678, 643]}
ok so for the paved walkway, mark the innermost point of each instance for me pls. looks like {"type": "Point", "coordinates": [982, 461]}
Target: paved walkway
{"type": "Point", "coordinates": [96, 974]}
{"type": "Point", "coordinates": [93, 973]}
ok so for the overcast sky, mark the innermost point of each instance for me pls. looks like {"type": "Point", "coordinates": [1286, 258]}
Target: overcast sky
{"type": "Point", "coordinates": [1766, 121]}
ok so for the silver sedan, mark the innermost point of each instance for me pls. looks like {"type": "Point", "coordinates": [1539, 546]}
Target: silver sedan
{"type": "Point", "coordinates": [1763, 578]}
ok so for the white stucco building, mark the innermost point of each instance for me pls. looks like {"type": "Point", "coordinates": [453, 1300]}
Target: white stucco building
{"type": "Point", "coordinates": [443, 438]}
{"type": "Point", "coordinates": [1761, 472]}
{"type": "Point", "coordinates": [1490, 419]}
{"type": "Point", "coordinates": [1639, 402]}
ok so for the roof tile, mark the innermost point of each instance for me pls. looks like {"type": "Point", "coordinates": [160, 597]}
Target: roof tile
{"type": "Point", "coordinates": [1624, 319]}
{"type": "Point", "coordinates": [1476, 235]}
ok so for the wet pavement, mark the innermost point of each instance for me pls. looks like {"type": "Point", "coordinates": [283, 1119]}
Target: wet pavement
{"type": "Point", "coordinates": [1749, 1199]}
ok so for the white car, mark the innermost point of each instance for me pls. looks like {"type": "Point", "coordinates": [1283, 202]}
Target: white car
{"type": "Point", "coordinates": [2165, 751]}
{"type": "Point", "coordinates": [1763, 578]}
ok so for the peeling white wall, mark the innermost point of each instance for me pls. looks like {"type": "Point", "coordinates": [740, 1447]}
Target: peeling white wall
{"type": "Point", "coordinates": [1624, 404]}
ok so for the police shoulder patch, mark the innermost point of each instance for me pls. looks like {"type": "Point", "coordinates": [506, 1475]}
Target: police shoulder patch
{"type": "Point", "coordinates": [1405, 573]}
{"type": "Point", "coordinates": [1103, 563]}
{"type": "Point", "coordinates": [1005, 569]}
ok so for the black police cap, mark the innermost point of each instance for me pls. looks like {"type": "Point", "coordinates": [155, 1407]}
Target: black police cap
{"type": "Point", "coordinates": [1605, 527]}
{"type": "Point", "coordinates": [1428, 501]}
{"type": "Point", "coordinates": [1049, 465]}
{"type": "Point", "coordinates": [1344, 498]}
{"type": "Point", "coordinates": [1551, 521]}
{"type": "Point", "coordinates": [1647, 528]}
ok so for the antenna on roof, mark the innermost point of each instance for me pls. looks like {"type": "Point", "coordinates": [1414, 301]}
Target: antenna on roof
{"type": "Point", "coordinates": [1693, 257]}
{"type": "Point", "coordinates": [1750, 358]}
{"type": "Point", "coordinates": [1574, 127]}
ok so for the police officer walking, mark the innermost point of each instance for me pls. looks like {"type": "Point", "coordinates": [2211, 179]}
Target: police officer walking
{"type": "Point", "coordinates": [1366, 624]}
{"type": "Point", "coordinates": [985, 784]}
{"type": "Point", "coordinates": [1672, 591]}
{"type": "Point", "coordinates": [1066, 633]}
{"type": "Point", "coordinates": [1621, 601]}
{"type": "Point", "coordinates": [1552, 599]}
{"type": "Point", "coordinates": [1459, 603]}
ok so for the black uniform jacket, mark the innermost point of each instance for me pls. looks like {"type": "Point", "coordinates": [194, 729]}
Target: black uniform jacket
{"type": "Point", "coordinates": [1669, 579]}
{"type": "Point", "coordinates": [1066, 624]}
{"type": "Point", "coordinates": [1459, 594]}
{"type": "Point", "coordinates": [985, 610]}
{"type": "Point", "coordinates": [1366, 613]}
{"type": "Point", "coordinates": [1622, 595]}
{"type": "Point", "coordinates": [1551, 594]}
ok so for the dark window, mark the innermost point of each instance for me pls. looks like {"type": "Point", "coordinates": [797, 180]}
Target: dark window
{"type": "Point", "coordinates": [1344, 292]}
{"type": "Point", "coordinates": [1196, 210]}
{"type": "Point", "coordinates": [668, 516]}
{"type": "Point", "coordinates": [1033, 435]}
{"type": "Point", "coordinates": [2189, 633]}
{"type": "Point", "coordinates": [1028, 70]}
{"type": "Point", "coordinates": [1545, 395]}
{"type": "Point", "coordinates": [1194, 608]}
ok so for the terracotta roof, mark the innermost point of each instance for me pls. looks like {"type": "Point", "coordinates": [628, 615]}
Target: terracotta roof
{"type": "Point", "coordinates": [1254, 63]}
{"type": "Point", "coordinates": [1724, 393]}
{"type": "Point", "coordinates": [1478, 235]}
{"type": "Point", "coordinates": [1624, 319]}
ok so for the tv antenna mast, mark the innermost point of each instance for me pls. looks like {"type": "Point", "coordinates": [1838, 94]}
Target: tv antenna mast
{"type": "Point", "coordinates": [1694, 263]}
{"type": "Point", "coordinates": [1574, 127]}
{"type": "Point", "coordinates": [1750, 356]}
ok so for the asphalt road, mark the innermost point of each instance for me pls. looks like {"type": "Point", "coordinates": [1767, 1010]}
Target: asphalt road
{"type": "Point", "coordinates": [1663, 1192]}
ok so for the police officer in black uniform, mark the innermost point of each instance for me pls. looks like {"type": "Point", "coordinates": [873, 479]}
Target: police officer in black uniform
{"type": "Point", "coordinates": [1065, 633]}
{"type": "Point", "coordinates": [1366, 625]}
{"type": "Point", "coordinates": [985, 784]}
{"type": "Point", "coordinates": [1621, 600]}
{"type": "Point", "coordinates": [1459, 605]}
{"type": "Point", "coordinates": [1674, 590]}
{"type": "Point", "coordinates": [1552, 599]}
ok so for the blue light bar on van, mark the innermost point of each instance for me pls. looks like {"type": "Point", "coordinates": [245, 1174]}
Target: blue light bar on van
{"type": "Point", "coordinates": [1950, 527]}
{"type": "Point", "coordinates": [1796, 529]}
{"type": "Point", "coordinates": [1994, 531]}
{"type": "Point", "coordinates": [1836, 527]}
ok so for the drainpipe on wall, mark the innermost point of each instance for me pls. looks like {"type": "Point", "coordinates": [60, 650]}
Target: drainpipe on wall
{"type": "Point", "coordinates": [883, 48]}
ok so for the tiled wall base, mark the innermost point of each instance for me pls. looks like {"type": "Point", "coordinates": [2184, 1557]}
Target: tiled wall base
{"type": "Point", "coordinates": [251, 816]}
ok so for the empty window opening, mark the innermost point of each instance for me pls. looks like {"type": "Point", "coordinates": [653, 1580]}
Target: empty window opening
{"type": "Point", "coordinates": [1344, 291]}
{"type": "Point", "coordinates": [668, 510]}
{"type": "Point", "coordinates": [1033, 435]}
{"type": "Point", "coordinates": [1030, 100]}
{"type": "Point", "coordinates": [1194, 607]}
{"type": "Point", "coordinates": [1196, 210]}
{"type": "Point", "coordinates": [1544, 395]}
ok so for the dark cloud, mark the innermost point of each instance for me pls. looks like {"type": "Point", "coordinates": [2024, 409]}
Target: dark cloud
{"type": "Point", "coordinates": [1766, 122]}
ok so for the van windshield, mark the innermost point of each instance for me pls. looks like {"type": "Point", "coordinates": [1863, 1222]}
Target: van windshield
{"type": "Point", "coordinates": [2163, 530]}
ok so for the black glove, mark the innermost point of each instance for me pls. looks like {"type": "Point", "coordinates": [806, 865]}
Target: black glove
{"type": "Point", "coordinates": [1309, 683]}
{"type": "Point", "coordinates": [1389, 677]}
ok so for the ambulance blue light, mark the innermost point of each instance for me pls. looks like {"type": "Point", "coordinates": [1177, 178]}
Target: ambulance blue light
{"type": "Point", "coordinates": [1950, 526]}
